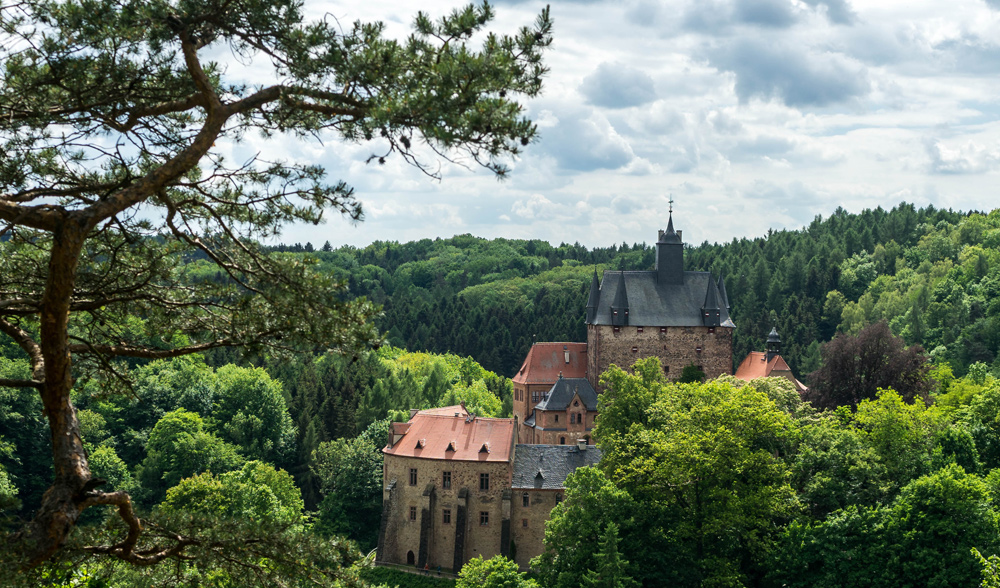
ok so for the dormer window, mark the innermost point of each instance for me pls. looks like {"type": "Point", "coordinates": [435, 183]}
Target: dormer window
{"type": "Point", "coordinates": [485, 448]}
{"type": "Point", "coordinates": [421, 443]}
{"type": "Point", "coordinates": [451, 446]}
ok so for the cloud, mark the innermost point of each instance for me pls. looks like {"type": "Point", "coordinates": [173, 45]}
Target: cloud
{"type": "Point", "coordinates": [839, 11]}
{"type": "Point", "coordinates": [536, 207]}
{"type": "Point", "coordinates": [616, 85]}
{"type": "Point", "coordinates": [791, 74]}
{"type": "Point", "coordinates": [583, 141]}
{"type": "Point", "coordinates": [994, 4]}
{"type": "Point", "coordinates": [769, 13]}
{"type": "Point", "coordinates": [967, 159]}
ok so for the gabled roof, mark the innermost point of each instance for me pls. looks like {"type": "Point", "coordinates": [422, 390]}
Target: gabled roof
{"type": "Point", "coordinates": [546, 360]}
{"type": "Point", "coordinates": [563, 392]}
{"type": "Point", "coordinates": [439, 434]}
{"type": "Point", "coordinates": [656, 304]}
{"type": "Point", "coordinates": [545, 467]}
{"type": "Point", "coordinates": [755, 365]}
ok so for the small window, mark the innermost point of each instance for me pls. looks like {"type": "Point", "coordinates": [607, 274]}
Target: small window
{"type": "Point", "coordinates": [697, 349]}
{"type": "Point", "coordinates": [484, 482]}
{"type": "Point", "coordinates": [446, 479]}
{"type": "Point", "coordinates": [446, 516]}
{"type": "Point", "coordinates": [663, 330]}
{"type": "Point", "coordinates": [524, 523]}
{"type": "Point", "coordinates": [557, 418]}
{"type": "Point", "coordinates": [618, 329]}
{"type": "Point", "coordinates": [614, 312]}
{"type": "Point", "coordinates": [525, 500]}
{"type": "Point", "coordinates": [572, 418]}
{"type": "Point", "coordinates": [711, 330]}
{"type": "Point", "coordinates": [558, 498]}
{"type": "Point", "coordinates": [576, 403]}
{"type": "Point", "coordinates": [638, 329]}
{"type": "Point", "coordinates": [666, 369]}
{"type": "Point", "coordinates": [562, 440]}
{"type": "Point", "coordinates": [534, 396]}
{"type": "Point", "coordinates": [635, 349]}
{"type": "Point", "coordinates": [484, 518]}
{"type": "Point", "coordinates": [413, 476]}
{"type": "Point", "coordinates": [413, 513]}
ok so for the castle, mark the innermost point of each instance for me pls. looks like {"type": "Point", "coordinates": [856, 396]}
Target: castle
{"type": "Point", "coordinates": [456, 485]}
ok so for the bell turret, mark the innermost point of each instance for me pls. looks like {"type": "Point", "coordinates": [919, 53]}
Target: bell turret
{"type": "Point", "coordinates": [711, 311]}
{"type": "Point", "coordinates": [773, 344]}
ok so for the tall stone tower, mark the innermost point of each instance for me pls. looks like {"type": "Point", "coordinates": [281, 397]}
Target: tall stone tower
{"type": "Point", "coordinates": [678, 316]}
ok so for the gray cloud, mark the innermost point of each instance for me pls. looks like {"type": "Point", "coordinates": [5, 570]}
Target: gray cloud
{"type": "Point", "coordinates": [994, 4]}
{"type": "Point", "coordinates": [840, 11]}
{"type": "Point", "coordinates": [770, 13]}
{"type": "Point", "coordinates": [616, 85]}
{"type": "Point", "coordinates": [583, 141]}
{"type": "Point", "coordinates": [789, 74]}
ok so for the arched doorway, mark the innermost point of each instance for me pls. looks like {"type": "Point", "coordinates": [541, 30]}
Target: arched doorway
{"type": "Point", "coordinates": [410, 559]}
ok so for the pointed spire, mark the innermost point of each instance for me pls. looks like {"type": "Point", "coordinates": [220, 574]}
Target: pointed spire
{"type": "Point", "coordinates": [722, 293]}
{"type": "Point", "coordinates": [594, 300]}
{"type": "Point", "coordinates": [670, 236]}
{"type": "Point", "coordinates": [619, 306]}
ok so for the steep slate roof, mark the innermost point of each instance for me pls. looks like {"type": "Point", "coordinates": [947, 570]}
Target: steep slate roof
{"type": "Point", "coordinates": [545, 467]}
{"type": "Point", "coordinates": [546, 360]}
{"type": "Point", "coordinates": [755, 365]}
{"type": "Point", "coordinates": [563, 391]}
{"type": "Point", "coordinates": [431, 433]}
{"type": "Point", "coordinates": [653, 304]}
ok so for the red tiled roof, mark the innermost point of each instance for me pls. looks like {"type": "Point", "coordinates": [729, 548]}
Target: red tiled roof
{"type": "Point", "coordinates": [436, 429]}
{"type": "Point", "coordinates": [546, 360]}
{"type": "Point", "coordinates": [755, 365]}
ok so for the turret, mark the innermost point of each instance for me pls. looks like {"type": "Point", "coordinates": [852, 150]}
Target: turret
{"type": "Point", "coordinates": [670, 256]}
{"type": "Point", "coordinates": [595, 297]}
{"type": "Point", "coordinates": [722, 294]}
{"type": "Point", "coordinates": [711, 311]}
{"type": "Point", "coordinates": [619, 306]}
{"type": "Point", "coordinates": [773, 344]}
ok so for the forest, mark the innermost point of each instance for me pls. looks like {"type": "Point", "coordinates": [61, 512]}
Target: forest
{"type": "Point", "coordinates": [766, 489]}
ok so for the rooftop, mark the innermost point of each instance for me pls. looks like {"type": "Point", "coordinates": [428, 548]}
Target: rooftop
{"type": "Point", "coordinates": [450, 433]}
{"type": "Point", "coordinates": [545, 467]}
{"type": "Point", "coordinates": [563, 391]}
{"type": "Point", "coordinates": [755, 365]}
{"type": "Point", "coordinates": [657, 304]}
{"type": "Point", "coordinates": [545, 361]}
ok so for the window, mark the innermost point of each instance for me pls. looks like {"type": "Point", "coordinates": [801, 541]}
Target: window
{"type": "Point", "coordinates": [711, 330]}
{"type": "Point", "coordinates": [576, 403]}
{"type": "Point", "coordinates": [413, 513]}
{"type": "Point", "coordinates": [557, 418]}
{"type": "Point", "coordinates": [484, 482]}
{"type": "Point", "coordinates": [534, 396]}
{"type": "Point", "coordinates": [562, 440]}
{"type": "Point", "coordinates": [666, 369]}
{"type": "Point", "coordinates": [446, 516]}
{"type": "Point", "coordinates": [634, 349]}
{"type": "Point", "coordinates": [618, 329]}
{"type": "Point", "coordinates": [484, 517]}
{"type": "Point", "coordinates": [638, 329]}
{"type": "Point", "coordinates": [413, 476]}
{"type": "Point", "coordinates": [446, 479]}
{"type": "Point", "coordinates": [524, 523]}
{"type": "Point", "coordinates": [558, 498]}
{"type": "Point", "coordinates": [572, 419]}
{"type": "Point", "coordinates": [525, 499]}
{"type": "Point", "coordinates": [663, 330]}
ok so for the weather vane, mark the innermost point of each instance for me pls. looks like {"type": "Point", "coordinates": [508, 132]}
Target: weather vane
{"type": "Point", "coordinates": [671, 204]}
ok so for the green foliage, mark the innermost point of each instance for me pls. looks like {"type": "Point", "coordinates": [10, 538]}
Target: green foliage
{"type": "Point", "coordinates": [350, 476]}
{"type": "Point", "coordinates": [496, 572]}
{"type": "Point", "coordinates": [250, 413]}
{"type": "Point", "coordinates": [991, 569]}
{"type": "Point", "coordinates": [385, 576]}
{"type": "Point", "coordinates": [609, 570]}
{"type": "Point", "coordinates": [255, 492]}
{"type": "Point", "coordinates": [714, 447]}
{"type": "Point", "coordinates": [691, 374]}
{"type": "Point", "coordinates": [180, 447]}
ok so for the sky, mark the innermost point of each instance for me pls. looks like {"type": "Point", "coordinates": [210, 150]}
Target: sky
{"type": "Point", "coordinates": [751, 114]}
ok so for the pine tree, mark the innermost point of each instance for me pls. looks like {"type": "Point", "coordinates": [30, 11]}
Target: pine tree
{"type": "Point", "coordinates": [610, 569]}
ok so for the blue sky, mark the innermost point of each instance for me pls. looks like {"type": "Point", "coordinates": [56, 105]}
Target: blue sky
{"type": "Point", "coordinates": [752, 114]}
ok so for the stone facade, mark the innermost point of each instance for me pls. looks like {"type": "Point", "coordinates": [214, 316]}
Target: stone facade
{"type": "Point", "coordinates": [443, 526]}
{"type": "Point", "coordinates": [711, 348]}
{"type": "Point", "coordinates": [526, 396]}
{"type": "Point", "coordinates": [530, 509]}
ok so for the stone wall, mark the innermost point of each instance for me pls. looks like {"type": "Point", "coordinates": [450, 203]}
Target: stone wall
{"type": "Point", "coordinates": [708, 347]}
{"type": "Point", "coordinates": [527, 523]}
{"type": "Point", "coordinates": [431, 499]}
{"type": "Point", "coordinates": [523, 408]}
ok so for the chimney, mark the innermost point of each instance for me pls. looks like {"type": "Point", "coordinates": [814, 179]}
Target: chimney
{"type": "Point", "coordinates": [581, 444]}
{"type": "Point", "coordinates": [566, 353]}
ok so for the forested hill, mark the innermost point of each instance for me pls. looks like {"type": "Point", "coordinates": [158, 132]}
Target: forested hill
{"type": "Point", "coordinates": [931, 273]}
